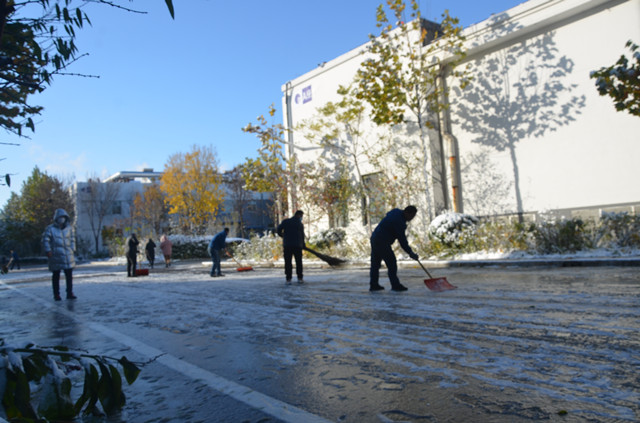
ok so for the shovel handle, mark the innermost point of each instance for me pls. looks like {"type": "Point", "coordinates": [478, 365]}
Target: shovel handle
{"type": "Point", "coordinates": [424, 268]}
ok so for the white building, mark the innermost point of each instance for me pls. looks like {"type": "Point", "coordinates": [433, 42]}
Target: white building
{"type": "Point", "coordinates": [116, 195]}
{"type": "Point", "coordinates": [531, 131]}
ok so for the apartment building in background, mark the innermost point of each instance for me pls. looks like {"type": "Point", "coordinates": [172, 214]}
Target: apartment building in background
{"type": "Point", "coordinates": [116, 195]}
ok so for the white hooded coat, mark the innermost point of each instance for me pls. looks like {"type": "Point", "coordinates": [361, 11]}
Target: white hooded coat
{"type": "Point", "coordinates": [58, 238]}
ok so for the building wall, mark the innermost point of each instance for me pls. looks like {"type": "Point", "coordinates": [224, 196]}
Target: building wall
{"type": "Point", "coordinates": [575, 150]}
{"type": "Point", "coordinates": [120, 212]}
{"type": "Point", "coordinates": [531, 90]}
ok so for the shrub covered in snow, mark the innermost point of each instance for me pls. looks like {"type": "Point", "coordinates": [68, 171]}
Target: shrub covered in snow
{"type": "Point", "coordinates": [267, 247]}
{"type": "Point", "coordinates": [453, 229]}
{"type": "Point", "coordinates": [620, 230]}
{"type": "Point", "coordinates": [328, 238]}
{"type": "Point", "coordinates": [613, 231]}
{"type": "Point", "coordinates": [449, 235]}
{"type": "Point", "coordinates": [188, 246]}
{"type": "Point", "coordinates": [561, 235]}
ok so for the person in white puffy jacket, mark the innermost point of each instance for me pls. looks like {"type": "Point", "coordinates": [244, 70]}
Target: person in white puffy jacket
{"type": "Point", "coordinates": [59, 245]}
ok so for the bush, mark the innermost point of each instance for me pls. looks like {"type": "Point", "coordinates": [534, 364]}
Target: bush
{"type": "Point", "coordinates": [452, 234]}
{"type": "Point", "coordinates": [503, 236]}
{"type": "Point", "coordinates": [452, 230]}
{"type": "Point", "coordinates": [561, 236]}
{"type": "Point", "coordinates": [189, 247]}
{"type": "Point", "coordinates": [619, 230]}
{"type": "Point", "coordinates": [268, 247]}
{"type": "Point", "coordinates": [449, 234]}
{"type": "Point", "coordinates": [328, 238]}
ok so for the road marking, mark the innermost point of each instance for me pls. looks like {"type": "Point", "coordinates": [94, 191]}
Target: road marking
{"type": "Point", "coordinates": [272, 406]}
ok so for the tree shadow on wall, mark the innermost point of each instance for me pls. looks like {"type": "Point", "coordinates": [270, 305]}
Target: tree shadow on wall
{"type": "Point", "coordinates": [518, 92]}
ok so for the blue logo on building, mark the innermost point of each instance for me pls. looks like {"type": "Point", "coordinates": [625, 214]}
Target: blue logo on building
{"type": "Point", "coordinates": [306, 94]}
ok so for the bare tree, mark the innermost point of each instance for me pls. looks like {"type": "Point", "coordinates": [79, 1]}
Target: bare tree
{"type": "Point", "coordinates": [239, 196]}
{"type": "Point", "coordinates": [99, 200]}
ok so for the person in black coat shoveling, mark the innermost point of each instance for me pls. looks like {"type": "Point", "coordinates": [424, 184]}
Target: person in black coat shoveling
{"type": "Point", "coordinates": [215, 247]}
{"type": "Point", "coordinates": [390, 228]}
{"type": "Point", "coordinates": [131, 249]}
{"type": "Point", "coordinates": [292, 233]}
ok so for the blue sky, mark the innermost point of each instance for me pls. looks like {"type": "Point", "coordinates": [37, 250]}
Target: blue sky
{"type": "Point", "coordinates": [166, 84]}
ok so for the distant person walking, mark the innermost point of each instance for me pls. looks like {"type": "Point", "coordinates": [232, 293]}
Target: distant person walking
{"type": "Point", "coordinates": [14, 260]}
{"type": "Point", "coordinates": [59, 245]}
{"type": "Point", "coordinates": [390, 228]}
{"type": "Point", "coordinates": [215, 248]}
{"type": "Point", "coordinates": [291, 231]}
{"type": "Point", "coordinates": [131, 251]}
{"type": "Point", "coordinates": [150, 251]}
{"type": "Point", "coordinates": [165, 246]}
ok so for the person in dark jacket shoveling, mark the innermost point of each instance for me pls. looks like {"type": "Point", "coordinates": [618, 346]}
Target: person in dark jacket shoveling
{"type": "Point", "coordinates": [390, 228]}
{"type": "Point", "coordinates": [215, 247]}
{"type": "Point", "coordinates": [59, 245]}
{"type": "Point", "coordinates": [292, 233]}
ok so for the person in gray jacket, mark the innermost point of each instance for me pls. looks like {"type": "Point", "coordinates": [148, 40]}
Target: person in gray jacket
{"type": "Point", "coordinates": [59, 245]}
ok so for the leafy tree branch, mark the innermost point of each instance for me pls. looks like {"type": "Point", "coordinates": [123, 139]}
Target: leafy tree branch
{"type": "Point", "coordinates": [47, 370]}
{"type": "Point", "coordinates": [621, 81]}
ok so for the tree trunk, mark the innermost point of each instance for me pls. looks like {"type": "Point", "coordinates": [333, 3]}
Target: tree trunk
{"type": "Point", "coordinates": [425, 171]}
{"type": "Point", "coordinates": [516, 180]}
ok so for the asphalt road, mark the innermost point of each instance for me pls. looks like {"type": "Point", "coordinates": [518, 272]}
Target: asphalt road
{"type": "Point", "coordinates": [509, 345]}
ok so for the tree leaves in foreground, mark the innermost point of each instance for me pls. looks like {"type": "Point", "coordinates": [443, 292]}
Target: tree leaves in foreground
{"type": "Point", "coordinates": [38, 42]}
{"type": "Point", "coordinates": [48, 370]}
{"type": "Point", "coordinates": [621, 81]}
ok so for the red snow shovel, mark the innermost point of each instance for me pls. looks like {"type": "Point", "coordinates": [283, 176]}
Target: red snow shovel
{"type": "Point", "coordinates": [436, 284]}
{"type": "Point", "coordinates": [241, 268]}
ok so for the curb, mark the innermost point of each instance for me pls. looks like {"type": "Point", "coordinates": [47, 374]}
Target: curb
{"type": "Point", "coordinates": [539, 262]}
{"type": "Point", "coordinates": [601, 262]}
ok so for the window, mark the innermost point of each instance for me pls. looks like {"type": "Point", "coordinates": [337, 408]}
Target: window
{"type": "Point", "coordinates": [373, 206]}
{"type": "Point", "coordinates": [116, 207]}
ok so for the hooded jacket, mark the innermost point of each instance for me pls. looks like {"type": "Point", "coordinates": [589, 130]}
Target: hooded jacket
{"type": "Point", "coordinates": [59, 240]}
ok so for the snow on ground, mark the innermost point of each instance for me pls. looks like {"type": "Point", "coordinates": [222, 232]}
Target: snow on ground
{"type": "Point", "coordinates": [522, 255]}
{"type": "Point", "coordinates": [508, 345]}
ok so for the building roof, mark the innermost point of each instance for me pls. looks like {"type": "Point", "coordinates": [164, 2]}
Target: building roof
{"type": "Point", "coordinates": [145, 176]}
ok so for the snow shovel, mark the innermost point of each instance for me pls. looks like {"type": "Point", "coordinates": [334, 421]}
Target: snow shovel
{"type": "Point", "coordinates": [332, 261]}
{"type": "Point", "coordinates": [141, 271]}
{"type": "Point", "coordinates": [241, 268]}
{"type": "Point", "coordinates": [436, 284]}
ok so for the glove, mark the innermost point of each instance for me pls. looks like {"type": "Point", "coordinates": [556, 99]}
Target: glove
{"type": "Point", "coordinates": [414, 256]}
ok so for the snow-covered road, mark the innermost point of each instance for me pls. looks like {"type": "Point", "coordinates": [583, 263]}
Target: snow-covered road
{"type": "Point", "coordinates": [509, 345]}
